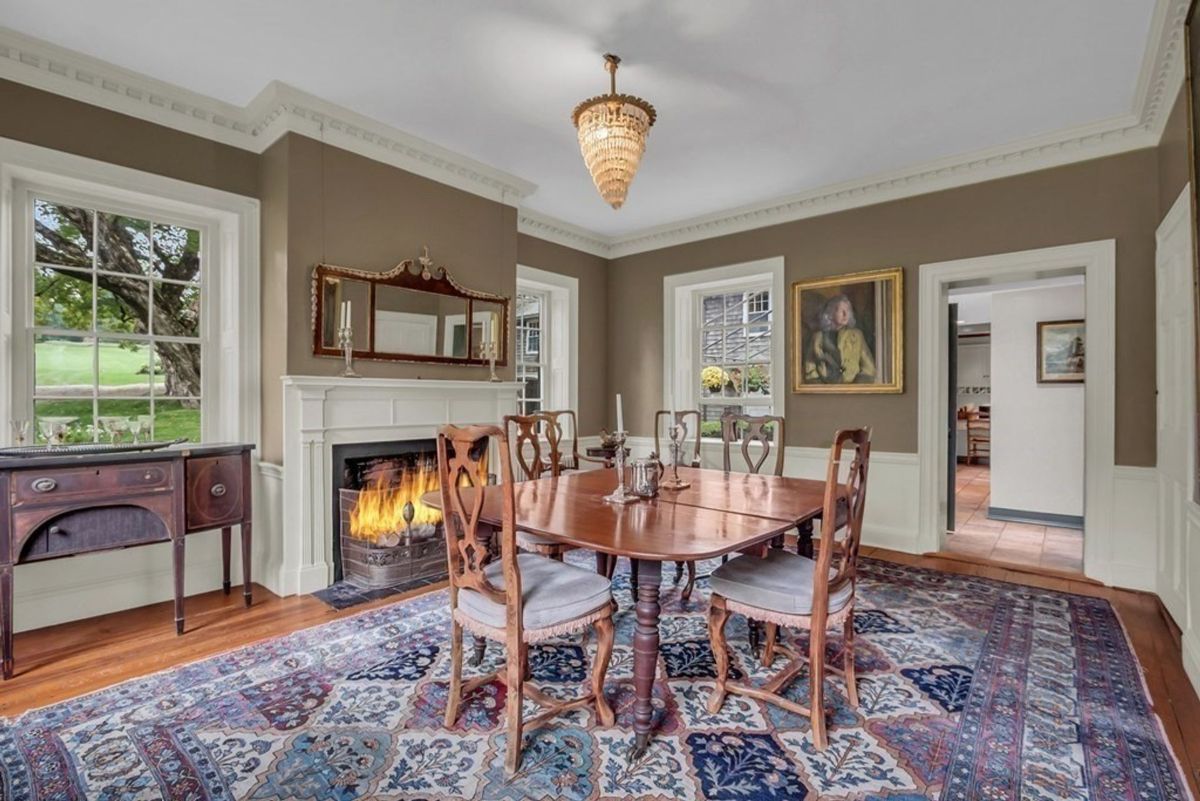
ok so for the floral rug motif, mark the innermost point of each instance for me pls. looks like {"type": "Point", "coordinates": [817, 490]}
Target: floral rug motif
{"type": "Point", "coordinates": [969, 689]}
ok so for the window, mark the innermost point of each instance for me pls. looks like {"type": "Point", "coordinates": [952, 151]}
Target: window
{"type": "Point", "coordinates": [532, 361]}
{"type": "Point", "coordinates": [115, 341]}
{"type": "Point", "coordinates": [735, 369]}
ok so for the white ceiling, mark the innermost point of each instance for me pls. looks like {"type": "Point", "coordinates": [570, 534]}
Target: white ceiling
{"type": "Point", "coordinates": [756, 99]}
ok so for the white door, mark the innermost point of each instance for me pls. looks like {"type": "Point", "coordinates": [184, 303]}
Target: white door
{"type": "Point", "coordinates": [1176, 400]}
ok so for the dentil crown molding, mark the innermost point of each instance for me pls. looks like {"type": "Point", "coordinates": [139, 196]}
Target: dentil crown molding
{"type": "Point", "coordinates": [280, 109]}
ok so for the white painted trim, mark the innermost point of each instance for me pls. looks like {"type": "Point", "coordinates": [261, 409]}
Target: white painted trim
{"type": "Point", "coordinates": [1097, 260]}
{"type": "Point", "coordinates": [280, 108]}
{"type": "Point", "coordinates": [679, 290]}
{"type": "Point", "coordinates": [563, 322]}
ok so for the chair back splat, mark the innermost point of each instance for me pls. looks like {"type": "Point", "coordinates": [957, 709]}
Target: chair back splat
{"type": "Point", "coordinates": [462, 467]}
{"type": "Point", "coordinates": [565, 438]}
{"type": "Point", "coordinates": [842, 515]}
{"type": "Point", "coordinates": [526, 433]}
{"type": "Point", "coordinates": [765, 430]}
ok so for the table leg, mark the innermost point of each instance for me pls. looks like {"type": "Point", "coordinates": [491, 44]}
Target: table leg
{"type": "Point", "coordinates": [247, 593]}
{"type": "Point", "coordinates": [6, 619]}
{"type": "Point", "coordinates": [178, 564]}
{"type": "Point", "coordinates": [645, 651]}
{"type": "Point", "coordinates": [226, 534]}
{"type": "Point", "coordinates": [804, 539]}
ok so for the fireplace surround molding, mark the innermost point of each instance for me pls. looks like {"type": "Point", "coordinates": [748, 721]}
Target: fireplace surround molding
{"type": "Point", "coordinates": [320, 412]}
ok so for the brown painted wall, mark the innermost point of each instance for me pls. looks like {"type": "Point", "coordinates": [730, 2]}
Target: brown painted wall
{"type": "Point", "coordinates": [593, 320]}
{"type": "Point", "coordinates": [1173, 155]}
{"type": "Point", "coordinates": [1111, 198]}
{"type": "Point", "coordinates": [273, 184]}
{"type": "Point", "coordinates": [50, 120]}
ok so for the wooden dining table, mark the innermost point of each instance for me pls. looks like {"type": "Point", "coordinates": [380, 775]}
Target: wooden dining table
{"type": "Point", "coordinates": [720, 513]}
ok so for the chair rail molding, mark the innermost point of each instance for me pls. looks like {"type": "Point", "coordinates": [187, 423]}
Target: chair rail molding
{"type": "Point", "coordinates": [1097, 262]}
{"type": "Point", "coordinates": [280, 108]}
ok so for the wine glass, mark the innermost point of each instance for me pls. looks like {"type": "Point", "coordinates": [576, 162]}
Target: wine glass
{"type": "Point", "coordinates": [107, 426]}
{"type": "Point", "coordinates": [135, 428]}
{"type": "Point", "coordinates": [118, 427]}
{"type": "Point", "coordinates": [56, 429]}
{"type": "Point", "coordinates": [147, 421]}
{"type": "Point", "coordinates": [20, 432]}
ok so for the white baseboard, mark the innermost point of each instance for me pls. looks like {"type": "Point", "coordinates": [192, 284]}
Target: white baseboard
{"type": "Point", "coordinates": [1190, 646]}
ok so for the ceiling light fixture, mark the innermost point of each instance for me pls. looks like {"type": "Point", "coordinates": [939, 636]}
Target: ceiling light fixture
{"type": "Point", "coordinates": [612, 137]}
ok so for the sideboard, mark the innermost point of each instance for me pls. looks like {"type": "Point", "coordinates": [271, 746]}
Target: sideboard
{"type": "Point", "coordinates": [59, 505]}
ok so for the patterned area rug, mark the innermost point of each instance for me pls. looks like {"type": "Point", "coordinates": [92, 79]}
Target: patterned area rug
{"type": "Point", "coordinates": [970, 689]}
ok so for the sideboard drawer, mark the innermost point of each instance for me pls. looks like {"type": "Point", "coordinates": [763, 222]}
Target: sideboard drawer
{"type": "Point", "coordinates": [214, 491]}
{"type": "Point", "coordinates": [95, 528]}
{"type": "Point", "coordinates": [55, 485]}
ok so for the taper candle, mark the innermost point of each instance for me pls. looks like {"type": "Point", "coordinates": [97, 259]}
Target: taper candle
{"type": "Point", "coordinates": [620, 414]}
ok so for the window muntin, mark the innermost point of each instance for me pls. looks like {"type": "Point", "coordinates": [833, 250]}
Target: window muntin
{"type": "Point", "coordinates": [736, 373]}
{"type": "Point", "coordinates": [532, 354]}
{"type": "Point", "coordinates": [116, 327]}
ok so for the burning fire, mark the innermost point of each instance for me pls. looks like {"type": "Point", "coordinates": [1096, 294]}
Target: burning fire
{"type": "Point", "coordinates": [379, 512]}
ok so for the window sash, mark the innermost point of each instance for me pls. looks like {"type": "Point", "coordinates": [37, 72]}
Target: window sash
{"type": "Point", "coordinates": [752, 292]}
{"type": "Point", "coordinates": [541, 364]}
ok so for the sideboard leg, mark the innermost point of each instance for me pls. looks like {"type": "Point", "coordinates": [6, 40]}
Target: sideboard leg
{"type": "Point", "coordinates": [177, 559]}
{"type": "Point", "coordinates": [804, 539]}
{"type": "Point", "coordinates": [6, 618]}
{"type": "Point", "coordinates": [226, 535]}
{"type": "Point", "coordinates": [247, 592]}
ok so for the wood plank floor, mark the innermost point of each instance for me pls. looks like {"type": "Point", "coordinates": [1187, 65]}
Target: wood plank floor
{"type": "Point", "coordinates": [71, 659]}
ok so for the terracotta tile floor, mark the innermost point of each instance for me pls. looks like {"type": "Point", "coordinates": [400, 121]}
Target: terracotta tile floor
{"type": "Point", "coordinates": [1020, 543]}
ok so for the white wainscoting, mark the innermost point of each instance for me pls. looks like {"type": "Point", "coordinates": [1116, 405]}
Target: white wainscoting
{"type": "Point", "coordinates": [1135, 531]}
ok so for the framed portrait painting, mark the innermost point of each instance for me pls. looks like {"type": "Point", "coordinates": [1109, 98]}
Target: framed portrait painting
{"type": "Point", "coordinates": [1061, 352]}
{"type": "Point", "coordinates": [848, 333]}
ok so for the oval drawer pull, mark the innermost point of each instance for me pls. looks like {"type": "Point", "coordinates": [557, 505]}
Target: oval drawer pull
{"type": "Point", "coordinates": [44, 485]}
{"type": "Point", "coordinates": [148, 476]}
{"type": "Point", "coordinates": [217, 490]}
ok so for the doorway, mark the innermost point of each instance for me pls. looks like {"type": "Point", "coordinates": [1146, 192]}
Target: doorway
{"type": "Point", "coordinates": [1096, 261]}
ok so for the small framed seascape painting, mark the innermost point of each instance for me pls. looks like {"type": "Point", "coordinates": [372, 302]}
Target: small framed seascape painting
{"type": "Point", "coordinates": [1061, 352]}
{"type": "Point", "coordinates": [848, 333]}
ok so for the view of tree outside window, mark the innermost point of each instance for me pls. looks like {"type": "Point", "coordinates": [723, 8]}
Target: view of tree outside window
{"type": "Point", "coordinates": [531, 351]}
{"type": "Point", "coordinates": [735, 355]}
{"type": "Point", "coordinates": [116, 329]}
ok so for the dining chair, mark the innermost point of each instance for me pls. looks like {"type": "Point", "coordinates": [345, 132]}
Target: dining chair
{"type": "Point", "coordinates": [690, 418]}
{"type": "Point", "coordinates": [519, 599]}
{"type": "Point", "coordinates": [566, 423]}
{"type": "Point", "coordinates": [526, 434]}
{"type": "Point", "coordinates": [745, 431]}
{"type": "Point", "coordinates": [979, 436]}
{"type": "Point", "coordinates": [786, 589]}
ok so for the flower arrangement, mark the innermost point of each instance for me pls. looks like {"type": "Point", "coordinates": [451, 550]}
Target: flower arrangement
{"type": "Point", "coordinates": [713, 378]}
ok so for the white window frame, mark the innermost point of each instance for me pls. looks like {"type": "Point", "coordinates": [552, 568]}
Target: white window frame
{"type": "Point", "coordinates": [543, 356]}
{"type": "Point", "coordinates": [229, 225]}
{"type": "Point", "coordinates": [560, 334]}
{"type": "Point", "coordinates": [681, 327]}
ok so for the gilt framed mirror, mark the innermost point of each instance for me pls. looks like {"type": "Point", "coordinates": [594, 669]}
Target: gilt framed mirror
{"type": "Point", "coordinates": [414, 312]}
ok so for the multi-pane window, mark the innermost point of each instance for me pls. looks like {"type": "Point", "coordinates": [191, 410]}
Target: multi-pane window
{"type": "Point", "coordinates": [532, 356]}
{"type": "Point", "coordinates": [735, 354]}
{"type": "Point", "coordinates": [116, 328]}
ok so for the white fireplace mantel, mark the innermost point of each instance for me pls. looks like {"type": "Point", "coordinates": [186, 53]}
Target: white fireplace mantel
{"type": "Point", "coordinates": [320, 412]}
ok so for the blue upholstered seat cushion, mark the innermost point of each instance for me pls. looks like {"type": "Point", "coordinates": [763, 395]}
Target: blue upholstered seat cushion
{"type": "Point", "coordinates": [780, 582]}
{"type": "Point", "coordinates": [527, 539]}
{"type": "Point", "coordinates": [552, 593]}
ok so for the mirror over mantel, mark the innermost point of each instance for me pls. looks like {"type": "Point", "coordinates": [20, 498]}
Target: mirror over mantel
{"type": "Point", "coordinates": [414, 312]}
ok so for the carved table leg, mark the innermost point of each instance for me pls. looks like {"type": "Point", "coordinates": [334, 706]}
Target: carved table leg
{"type": "Point", "coordinates": [804, 539]}
{"type": "Point", "coordinates": [247, 592]}
{"type": "Point", "coordinates": [177, 554]}
{"type": "Point", "coordinates": [645, 651]}
{"type": "Point", "coordinates": [6, 619]}
{"type": "Point", "coordinates": [226, 534]}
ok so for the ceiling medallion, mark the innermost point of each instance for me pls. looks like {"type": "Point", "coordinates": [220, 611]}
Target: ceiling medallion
{"type": "Point", "coordinates": [612, 137]}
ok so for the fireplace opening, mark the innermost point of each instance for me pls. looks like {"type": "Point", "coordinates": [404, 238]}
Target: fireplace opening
{"type": "Point", "coordinates": [384, 536]}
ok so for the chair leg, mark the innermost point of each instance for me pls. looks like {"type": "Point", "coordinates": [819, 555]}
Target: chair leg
{"type": "Point", "coordinates": [848, 661]}
{"type": "Point", "coordinates": [633, 581]}
{"type": "Point", "coordinates": [678, 572]}
{"type": "Point", "coordinates": [604, 646]}
{"type": "Point", "coordinates": [514, 679]}
{"type": "Point", "coordinates": [768, 654]}
{"type": "Point", "coordinates": [691, 582]}
{"type": "Point", "coordinates": [454, 696]}
{"type": "Point", "coordinates": [557, 554]}
{"type": "Point", "coordinates": [816, 677]}
{"type": "Point", "coordinates": [718, 616]}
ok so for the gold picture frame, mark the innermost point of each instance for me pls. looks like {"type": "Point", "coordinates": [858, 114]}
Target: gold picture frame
{"type": "Point", "coordinates": [848, 333]}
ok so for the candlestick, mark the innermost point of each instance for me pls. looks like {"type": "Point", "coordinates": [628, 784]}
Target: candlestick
{"type": "Point", "coordinates": [346, 340]}
{"type": "Point", "coordinates": [620, 495]}
{"type": "Point", "coordinates": [678, 434]}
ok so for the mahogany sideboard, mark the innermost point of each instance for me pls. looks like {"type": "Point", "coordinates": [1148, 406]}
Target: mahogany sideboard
{"type": "Point", "coordinates": [58, 505]}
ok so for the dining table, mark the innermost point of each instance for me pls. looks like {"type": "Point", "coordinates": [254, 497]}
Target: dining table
{"type": "Point", "coordinates": [718, 514]}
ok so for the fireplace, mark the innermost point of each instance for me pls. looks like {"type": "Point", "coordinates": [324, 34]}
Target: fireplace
{"type": "Point", "coordinates": [383, 535]}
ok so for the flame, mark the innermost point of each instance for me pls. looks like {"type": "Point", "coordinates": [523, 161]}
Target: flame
{"type": "Point", "coordinates": [379, 511]}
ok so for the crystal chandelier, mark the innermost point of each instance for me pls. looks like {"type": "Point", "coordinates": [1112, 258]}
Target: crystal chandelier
{"type": "Point", "coordinates": [612, 137]}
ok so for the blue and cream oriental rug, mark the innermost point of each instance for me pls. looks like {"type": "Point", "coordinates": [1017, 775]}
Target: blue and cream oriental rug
{"type": "Point", "coordinates": [970, 689]}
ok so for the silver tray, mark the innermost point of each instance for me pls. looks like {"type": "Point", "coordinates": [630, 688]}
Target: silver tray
{"type": "Point", "coordinates": [87, 448]}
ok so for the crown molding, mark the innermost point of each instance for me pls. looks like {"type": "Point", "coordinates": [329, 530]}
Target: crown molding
{"type": "Point", "coordinates": [277, 110]}
{"type": "Point", "coordinates": [280, 109]}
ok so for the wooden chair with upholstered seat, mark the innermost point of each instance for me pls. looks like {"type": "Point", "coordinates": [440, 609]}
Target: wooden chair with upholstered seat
{"type": "Point", "coordinates": [566, 424]}
{"type": "Point", "coordinates": [690, 418]}
{"type": "Point", "coordinates": [518, 599]}
{"type": "Point", "coordinates": [746, 431]}
{"type": "Point", "coordinates": [786, 589]}
{"type": "Point", "coordinates": [526, 433]}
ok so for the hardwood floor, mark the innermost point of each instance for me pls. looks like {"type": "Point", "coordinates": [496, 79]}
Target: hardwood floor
{"type": "Point", "coordinates": [83, 656]}
{"type": "Point", "coordinates": [1014, 543]}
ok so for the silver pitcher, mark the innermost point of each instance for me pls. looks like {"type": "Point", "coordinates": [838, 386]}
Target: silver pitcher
{"type": "Point", "coordinates": [645, 474]}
